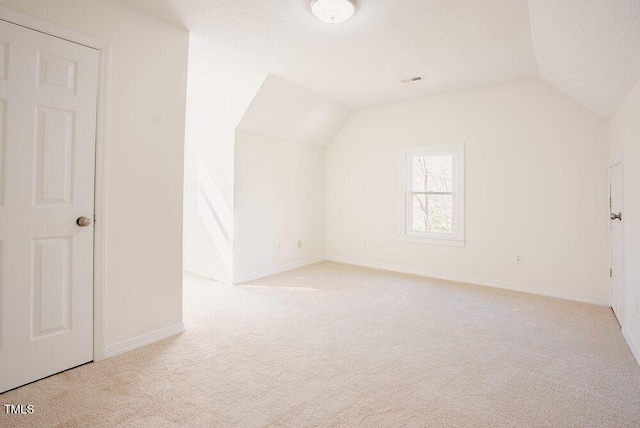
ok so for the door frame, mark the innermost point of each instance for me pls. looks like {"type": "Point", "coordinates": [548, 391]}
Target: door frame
{"type": "Point", "coordinates": [615, 160]}
{"type": "Point", "coordinates": [100, 199]}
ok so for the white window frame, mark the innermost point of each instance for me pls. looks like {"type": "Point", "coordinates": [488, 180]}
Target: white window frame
{"type": "Point", "coordinates": [456, 238]}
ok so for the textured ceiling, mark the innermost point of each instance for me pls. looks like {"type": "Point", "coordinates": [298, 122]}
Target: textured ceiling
{"type": "Point", "coordinates": [589, 49]}
{"type": "Point", "coordinates": [452, 44]}
{"type": "Point", "coordinates": [586, 48]}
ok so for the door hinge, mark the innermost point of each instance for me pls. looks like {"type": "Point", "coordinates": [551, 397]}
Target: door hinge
{"type": "Point", "coordinates": [609, 202]}
{"type": "Point", "coordinates": [610, 272]}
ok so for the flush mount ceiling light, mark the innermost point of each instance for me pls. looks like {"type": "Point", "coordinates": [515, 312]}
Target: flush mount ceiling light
{"type": "Point", "coordinates": [333, 11]}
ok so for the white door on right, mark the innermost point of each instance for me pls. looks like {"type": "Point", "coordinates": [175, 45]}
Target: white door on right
{"type": "Point", "coordinates": [617, 245]}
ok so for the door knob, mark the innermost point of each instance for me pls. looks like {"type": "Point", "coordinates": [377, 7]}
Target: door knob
{"type": "Point", "coordinates": [616, 216]}
{"type": "Point", "coordinates": [83, 221]}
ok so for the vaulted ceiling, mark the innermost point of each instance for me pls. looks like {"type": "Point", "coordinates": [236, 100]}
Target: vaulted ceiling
{"type": "Point", "coordinates": [288, 111]}
{"type": "Point", "coordinates": [589, 49]}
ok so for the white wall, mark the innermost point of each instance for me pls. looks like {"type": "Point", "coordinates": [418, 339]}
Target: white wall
{"type": "Point", "coordinates": [218, 96]}
{"type": "Point", "coordinates": [145, 147]}
{"type": "Point", "coordinates": [624, 136]}
{"type": "Point", "coordinates": [279, 199]}
{"type": "Point", "coordinates": [222, 99]}
{"type": "Point", "coordinates": [536, 184]}
{"type": "Point", "coordinates": [280, 178]}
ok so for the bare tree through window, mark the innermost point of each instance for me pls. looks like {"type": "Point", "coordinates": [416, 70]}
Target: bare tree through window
{"type": "Point", "coordinates": [432, 193]}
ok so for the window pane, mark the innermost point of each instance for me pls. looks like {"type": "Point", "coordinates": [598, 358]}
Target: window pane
{"type": "Point", "coordinates": [432, 213]}
{"type": "Point", "coordinates": [440, 213]}
{"type": "Point", "coordinates": [432, 173]}
{"type": "Point", "coordinates": [419, 218]}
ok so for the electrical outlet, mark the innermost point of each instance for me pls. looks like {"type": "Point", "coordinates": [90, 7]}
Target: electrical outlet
{"type": "Point", "coordinates": [517, 258]}
{"type": "Point", "coordinates": [299, 243]}
{"type": "Point", "coordinates": [364, 241]}
{"type": "Point", "coordinates": [279, 247]}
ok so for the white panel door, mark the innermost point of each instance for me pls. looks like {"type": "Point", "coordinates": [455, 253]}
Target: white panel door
{"type": "Point", "coordinates": [48, 91]}
{"type": "Point", "coordinates": [616, 244]}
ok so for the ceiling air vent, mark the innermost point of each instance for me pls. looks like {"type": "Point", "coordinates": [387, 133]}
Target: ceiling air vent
{"type": "Point", "coordinates": [411, 79]}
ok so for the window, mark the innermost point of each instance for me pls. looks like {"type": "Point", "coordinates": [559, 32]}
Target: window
{"type": "Point", "coordinates": [433, 194]}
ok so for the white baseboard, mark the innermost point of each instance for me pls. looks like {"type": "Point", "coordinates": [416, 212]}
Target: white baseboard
{"type": "Point", "coordinates": [143, 340]}
{"type": "Point", "coordinates": [222, 280]}
{"type": "Point", "coordinates": [225, 279]}
{"type": "Point", "coordinates": [278, 269]}
{"type": "Point", "coordinates": [495, 283]}
{"type": "Point", "coordinates": [635, 350]}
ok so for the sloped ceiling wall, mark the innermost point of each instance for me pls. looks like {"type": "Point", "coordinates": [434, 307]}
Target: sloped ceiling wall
{"type": "Point", "coordinates": [589, 49]}
{"type": "Point", "coordinates": [285, 110]}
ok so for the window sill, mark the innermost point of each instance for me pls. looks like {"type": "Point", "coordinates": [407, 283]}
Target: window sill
{"type": "Point", "coordinates": [430, 240]}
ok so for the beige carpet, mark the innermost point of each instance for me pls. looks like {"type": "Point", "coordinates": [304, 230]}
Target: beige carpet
{"type": "Point", "coordinates": [335, 345]}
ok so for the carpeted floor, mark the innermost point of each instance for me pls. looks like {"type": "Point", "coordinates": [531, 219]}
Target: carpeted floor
{"type": "Point", "coordinates": [336, 345]}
